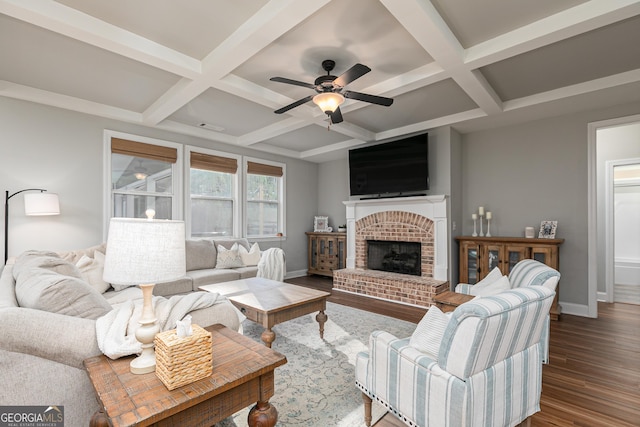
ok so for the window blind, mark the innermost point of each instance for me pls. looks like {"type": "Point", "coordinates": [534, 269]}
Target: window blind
{"type": "Point", "coordinates": [262, 169]}
{"type": "Point", "coordinates": [209, 162]}
{"type": "Point", "coordinates": [141, 149]}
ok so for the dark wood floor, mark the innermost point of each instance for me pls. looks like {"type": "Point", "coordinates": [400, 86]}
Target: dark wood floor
{"type": "Point", "coordinates": [593, 378]}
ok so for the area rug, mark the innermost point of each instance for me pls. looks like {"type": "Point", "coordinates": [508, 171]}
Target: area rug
{"type": "Point", "coordinates": [317, 385]}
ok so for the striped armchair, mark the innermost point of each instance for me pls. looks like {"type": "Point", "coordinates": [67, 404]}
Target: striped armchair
{"type": "Point", "coordinates": [529, 272]}
{"type": "Point", "coordinates": [488, 370]}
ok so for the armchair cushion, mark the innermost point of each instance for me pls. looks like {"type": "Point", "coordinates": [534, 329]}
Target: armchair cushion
{"type": "Point", "coordinates": [465, 288]}
{"type": "Point", "coordinates": [428, 334]}
{"type": "Point", "coordinates": [483, 290]}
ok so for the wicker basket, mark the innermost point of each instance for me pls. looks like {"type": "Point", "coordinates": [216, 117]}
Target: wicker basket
{"type": "Point", "coordinates": [180, 361]}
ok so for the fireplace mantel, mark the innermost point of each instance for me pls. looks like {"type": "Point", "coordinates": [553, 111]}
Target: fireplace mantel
{"type": "Point", "coordinates": [432, 207]}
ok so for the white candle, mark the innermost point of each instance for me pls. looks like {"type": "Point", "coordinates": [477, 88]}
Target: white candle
{"type": "Point", "coordinates": [474, 216]}
{"type": "Point", "coordinates": [488, 215]}
{"type": "Point", "coordinates": [481, 210]}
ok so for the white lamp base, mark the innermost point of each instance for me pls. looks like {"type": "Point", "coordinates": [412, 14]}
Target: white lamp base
{"type": "Point", "coordinates": [145, 334]}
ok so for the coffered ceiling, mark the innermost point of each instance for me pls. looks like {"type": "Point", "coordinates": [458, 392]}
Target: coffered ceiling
{"type": "Point", "coordinates": [202, 67]}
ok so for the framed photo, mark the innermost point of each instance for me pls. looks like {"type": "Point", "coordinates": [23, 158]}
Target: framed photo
{"type": "Point", "coordinates": [321, 223]}
{"type": "Point", "coordinates": [548, 229]}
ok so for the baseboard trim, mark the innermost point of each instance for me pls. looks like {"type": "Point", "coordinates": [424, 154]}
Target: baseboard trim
{"type": "Point", "coordinates": [574, 309]}
{"type": "Point", "coordinates": [294, 274]}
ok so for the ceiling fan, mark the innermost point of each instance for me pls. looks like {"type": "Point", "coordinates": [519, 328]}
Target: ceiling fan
{"type": "Point", "coordinates": [330, 91]}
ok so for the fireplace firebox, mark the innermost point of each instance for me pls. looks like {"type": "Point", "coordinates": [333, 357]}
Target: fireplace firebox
{"type": "Point", "coordinates": [394, 257]}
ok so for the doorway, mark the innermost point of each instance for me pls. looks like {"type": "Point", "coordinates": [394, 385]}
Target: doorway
{"type": "Point", "coordinates": [615, 140]}
{"type": "Point", "coordinates": [623, 230]}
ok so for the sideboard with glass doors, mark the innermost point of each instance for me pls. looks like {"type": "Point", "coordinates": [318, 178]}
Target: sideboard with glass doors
{"type": "Point", "coordinates": [480, 255]}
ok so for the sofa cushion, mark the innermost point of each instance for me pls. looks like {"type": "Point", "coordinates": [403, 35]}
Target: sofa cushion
{"type": "Point", "coordinates": [200, 254]}
{"type": "Point", "coordinates": [178, 286]}
{"type": "Point", "coordinates": [44, 281]}
{"type": "Point", "coordinates": [228, 242]}
{"type": "Point", "coordinates": [247, 272]}
{"type": "Point", "coordinates": [228, 258]}
{"type": "Point", "coordinates": [56, 293]}
{"type": "Point", "coordinates": [214, 275]}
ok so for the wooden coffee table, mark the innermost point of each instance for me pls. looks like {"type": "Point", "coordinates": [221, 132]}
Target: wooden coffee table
{"type": "Point", "coordinates": [269, 302]}
{"type": "Point", "coordinates": [243, 374]}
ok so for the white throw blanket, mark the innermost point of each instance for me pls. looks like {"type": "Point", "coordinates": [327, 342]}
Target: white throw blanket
{"type": "Point", "coordinates": [115, 331]}
{"type": "Point", "coordinates": [272, 265]}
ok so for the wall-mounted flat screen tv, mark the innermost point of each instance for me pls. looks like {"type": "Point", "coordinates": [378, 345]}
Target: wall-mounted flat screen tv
{"type": "Point", "coordinates": [391, 169]}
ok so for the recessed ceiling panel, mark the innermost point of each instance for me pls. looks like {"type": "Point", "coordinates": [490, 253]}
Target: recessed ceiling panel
{"type": "Point", "coordinates": [599, 53]}
{"type": "Point", "coordinates": [193, 27]}
{"type": "Point", "coordinates": [348, 32]}
{"type": "Point", "coordinates": [307, 138]}
{"type": "Point", "coordinates": [35, 57]}
{"type": "Point", "coordinates": [439, 99]}
{"type": "Point", "coordinates": [473, 22]}
{"type": "Point", "coordinates": [226, 113]}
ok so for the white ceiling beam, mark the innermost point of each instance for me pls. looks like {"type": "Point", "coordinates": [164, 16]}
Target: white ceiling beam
{"type": "Point", "coordinates": [269, 23]}
{"type": "Point", "coordinates": [421, 19]}
{"type": "Point", "coordinates": [432, 124]}
{"type": "Point", "coordinates": [608, 82]}
{"type": "Point", "coordinates": [69, 22]}
{"type": "Point", "coordinates": [27, 93]}
{"type": "Point", "coordinates": [289, 124]}
{"type": "Point", "coordinates": [568, 23]}
{"type": "Point", "coordinates": [342, 145]}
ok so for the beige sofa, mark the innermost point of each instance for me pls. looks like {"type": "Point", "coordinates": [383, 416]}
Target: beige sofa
{"type": "Point", "coordinates": [41, 352]}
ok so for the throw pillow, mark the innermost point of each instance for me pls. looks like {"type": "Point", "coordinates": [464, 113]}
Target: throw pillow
{"type": "Point", "coordinates": [428, 334]}
{"type": "Point", "coordinates": [250, 257]}
{"type": "Point", "coordinates": [500, 285]}
{"type": "Point", "coordinates": [91, 270]}
{"type": "Point", "coordinates": [228, 258]}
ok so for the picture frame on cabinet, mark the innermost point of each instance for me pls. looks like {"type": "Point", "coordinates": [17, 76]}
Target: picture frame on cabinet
{"type": "Point", "coordinates": [548, 230]}
{"type": "Point", "coordinates": [321, 224]}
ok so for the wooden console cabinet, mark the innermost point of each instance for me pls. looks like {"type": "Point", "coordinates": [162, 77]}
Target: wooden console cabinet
{"type": "Point", "coordinates": [326, 252]}
{"type": "Point", "coordinates": [480, 255]}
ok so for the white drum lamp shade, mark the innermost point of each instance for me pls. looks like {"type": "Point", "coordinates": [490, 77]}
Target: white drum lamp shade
{"type": "Point", "coordinates": [141, 251]}
{"type": "Point", "coordinates": [41, 204]}
{"type": "Point", "coordinates": [145, 252]}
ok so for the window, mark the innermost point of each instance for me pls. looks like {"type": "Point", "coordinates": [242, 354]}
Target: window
{"type": "Point", "coordinates": [143, 175]}
{"type": "Point", "coordinates": [264, 212]}
{"type": "Point", "coordinates": [213, 183]}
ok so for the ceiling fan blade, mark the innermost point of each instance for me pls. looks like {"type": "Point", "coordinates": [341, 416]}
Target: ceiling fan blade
{"type": "Point", "coordinates": [351, 74]}
{"type": "Point", "coordinates": [292, 82]}
{"type": "Point", "coordinates": [380, 100]}
{"type": "Point", "coordinates": [336, 116]}
{"type": "Point", "coordinates": [294, 104]}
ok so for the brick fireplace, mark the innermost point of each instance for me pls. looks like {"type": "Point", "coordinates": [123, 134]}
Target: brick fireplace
{"type": "Point", "coordinates": [421, 219]}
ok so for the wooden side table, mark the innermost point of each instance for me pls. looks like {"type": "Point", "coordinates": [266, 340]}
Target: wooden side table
{"type": "Point", "coordinates": [449, 300]}
{"type": "Point", "coordinates": [243, 374]}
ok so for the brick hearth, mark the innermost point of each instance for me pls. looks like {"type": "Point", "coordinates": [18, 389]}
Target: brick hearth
{"type": "Point", "coordinates": [394, 226]}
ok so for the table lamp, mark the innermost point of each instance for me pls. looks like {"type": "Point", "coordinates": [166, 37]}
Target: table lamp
{"type": "Point", "coordinates": [145, 252]}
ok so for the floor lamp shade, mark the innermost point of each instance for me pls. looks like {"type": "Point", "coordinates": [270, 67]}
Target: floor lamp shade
{"type": "Point", "coordinates": [41, 204]}
{"type": "Point", "coordinates": [141, 251]}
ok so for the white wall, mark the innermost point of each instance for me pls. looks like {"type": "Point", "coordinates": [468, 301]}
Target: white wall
{"type": "Point", "coordinates": [62, 151]}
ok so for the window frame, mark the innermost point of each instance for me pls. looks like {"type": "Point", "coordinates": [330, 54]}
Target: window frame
{"type": "Point", "coordinates": [176, 194]}
{"type": "Point", "coordinates": [236, 198]}
{"type": "Point", "coordinates": [281, 202]}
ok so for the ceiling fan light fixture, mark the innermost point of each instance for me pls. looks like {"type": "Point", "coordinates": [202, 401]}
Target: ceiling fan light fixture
{"type": "Point", "coordinates": [328, 101]}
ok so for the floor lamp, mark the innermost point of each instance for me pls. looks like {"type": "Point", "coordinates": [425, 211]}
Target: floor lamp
{"type": "Point", "coordinates": [34, 204]}
{"type": "Point", "coordinates": [145, 252]}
